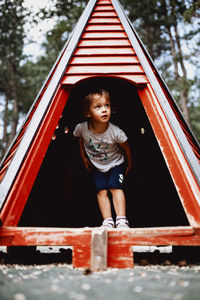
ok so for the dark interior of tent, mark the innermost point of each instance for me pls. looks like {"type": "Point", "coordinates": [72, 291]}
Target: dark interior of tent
{"type": "Point", "coordinates": [63, 194]}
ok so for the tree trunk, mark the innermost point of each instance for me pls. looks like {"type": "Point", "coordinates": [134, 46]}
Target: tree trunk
{"type": "Point", "coordinates": [15, 112]}
{"type": "Point", "coordinates": [174, 54]}
{"type": "Point", "coordinates": [177, 57]}
{"type": "Point", "coordinates": [183, 79]}
{"type": "Point", "coordinates": [5, 126]}
{"type": "Point", "coordinates": [14, 120]}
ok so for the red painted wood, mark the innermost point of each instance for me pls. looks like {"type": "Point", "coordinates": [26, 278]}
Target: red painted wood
{"type": "Point", "coordinates": [104, 8]}
{"type": "Point", "coordinates": [119, 256]}
{"type": "Point", "coordinates": [81, 257]}
{"type": "Point", "coordinates": [104, 28]}
{"type": "Point", "coordinates": [105, 51]}
{"type": "Point", "coordinates": [7, 161]}
{"type": "Point", "coordinates": [30, 236]}
{"type": "Point", "coordinates": [104, 14]}
{"type": "Point", "coordinates": [185, 182]}
{"type": "Point", "coordinates": [152, 237]}
{"type": "Point", "coordinates": [113, 20]}
{"type": "Point", "coordinates": [2, 174]}
{"type": "Point", "coordinates": [77, 60]}
{"type": "Point", "coordinates": [104, 43]}
{"type": "Point", "coordinates": [104, 2]}
{"type": "Point", "coordinates": [138, 80]}
{"type": "Point", "coordinates": [21, 188]}
{"type": "Point", "coordinates": [15, 146]}
{"type": "Point", "coordinates": [120, 242]}
{"type": "Point", "coordinates": [79, 239]}
{"type": "Point", "coordinates": [100, 39]}
{"type": "Point", "coordinates": [111, 69]}
{"type": "Point", "coordinates": [104, 35]}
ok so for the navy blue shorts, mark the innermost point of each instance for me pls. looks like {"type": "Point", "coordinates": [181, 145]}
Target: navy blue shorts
{"type": "Point", "coordinates": [113, 179]}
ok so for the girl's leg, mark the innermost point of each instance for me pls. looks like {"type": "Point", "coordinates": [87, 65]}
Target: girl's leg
{"type": "Point", "coordinates": [104, 204]}
{"type": "Point", "coordinates": [119, 201]}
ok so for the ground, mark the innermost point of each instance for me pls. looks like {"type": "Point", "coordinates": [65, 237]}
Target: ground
{"type": "Point", "coordinates": [61, 281]}
{"type": "Point", "coordinates": [45, 275]}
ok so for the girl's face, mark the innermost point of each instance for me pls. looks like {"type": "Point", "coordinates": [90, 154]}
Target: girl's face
{"type": "Point", "coordinates": [99, 110]}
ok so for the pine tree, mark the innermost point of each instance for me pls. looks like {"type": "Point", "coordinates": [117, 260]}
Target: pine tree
{"type": "Point", "coordinates": [12, 19]}
{"type": "Point", "coordinates": [161, 26]}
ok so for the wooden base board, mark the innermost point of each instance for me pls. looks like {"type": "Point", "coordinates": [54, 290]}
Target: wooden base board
{"type": "Point", "coordinates": [119, 246]}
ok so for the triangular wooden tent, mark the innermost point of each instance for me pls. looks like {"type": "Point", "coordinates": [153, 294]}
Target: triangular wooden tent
{"type": "Point", "coordinates": [42, 175]}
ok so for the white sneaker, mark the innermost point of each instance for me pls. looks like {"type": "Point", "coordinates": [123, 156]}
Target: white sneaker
{"type": "Point", "coordinates": [122, 222]}
{"type": "Point", "coordinates": [109, 223]}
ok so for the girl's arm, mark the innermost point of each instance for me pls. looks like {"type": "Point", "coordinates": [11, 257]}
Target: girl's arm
{"type": "Point", "coordinates": [84, 156]}
{"type": "Point", "coordinates": [127, 151]}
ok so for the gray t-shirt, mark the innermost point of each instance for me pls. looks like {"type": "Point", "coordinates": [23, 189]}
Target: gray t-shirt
{"type": "Point", "coordinates": [102, 149]}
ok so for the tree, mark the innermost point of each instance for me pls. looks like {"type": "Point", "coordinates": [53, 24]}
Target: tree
{"type": "Point", "coordinates": [68, 13]}
{"type": "Point", "coordinates": [162, 29]}
{"type": "Point", "coordinates": [12, 20]}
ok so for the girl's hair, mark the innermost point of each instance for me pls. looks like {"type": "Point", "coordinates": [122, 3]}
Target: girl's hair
{"type": "Point", "coordinates": [88, 99]}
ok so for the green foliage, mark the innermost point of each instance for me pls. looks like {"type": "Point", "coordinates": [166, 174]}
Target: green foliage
{"type": "Point", "coordinates": [192, 11]}
{"type": "Point", "coordinates": [161, 27]}
{"type": "Point", "coordinates": [12, 19]}
{"type": "Point", "coordinates": [68, 13]}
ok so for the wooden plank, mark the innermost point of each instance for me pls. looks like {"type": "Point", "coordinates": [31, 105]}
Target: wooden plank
{"type": "Point", "coordinates": [104, 14]}
{"type": "Point", "coordinates": [104, 43]}
{"type": "Point", "coordinates": [30, 236]}
{"type": "Point", "coordinates": [128, 239]}
{"type": "Point", "coordinates": [183, 177]}
{"type": "Point", "coordinates": [105, 51]}
{"type": "Point", "coordinates": [138, 80]}
{"type": "Point", "coordinates": [41, 235]}
{"type": "Point", "coordinates": [79, 239]}
{"type": "Point", "coordinates": [120, 256]}
{"type": "Point", "coordinates": [120, 242]}
{"type": "Point", "coordinates": [7, 161]}
{"type": "Point", "coordinates": [104, 8]}
{"type": "Point", "coordinates": [14, 205]}
{"type": "Point", "coordinates": [111, 69]}
{"type": "Point", "coordinates": [104, 35]}
{"type": "Point", "coordinates": [13, 149]}
{"type": "Point", "coordinates": [103, 2]}
{"type": "Point", "coordinates": [104, 28]}
{"type": "Point", "coordinates": [85, 60]}
{"type": "Point", "coordinates": [104, 20]}
{"type": "Point", "coordinates": [99, 249]}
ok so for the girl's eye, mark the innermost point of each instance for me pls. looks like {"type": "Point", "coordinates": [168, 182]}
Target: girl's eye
{"type": "Point", "coordinates": [107, 105]}
{"type": "Point", "coordinates": [97, 106]}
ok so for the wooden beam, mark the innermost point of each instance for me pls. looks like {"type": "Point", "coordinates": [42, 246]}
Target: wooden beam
{"type": "Point", "coordinates": [99, 249]}
{"type": "Point", "coordinates": [79, 239]}
{"type": "Point", "coordinates": [183, 177]}
{"type": "Point", "coordinates": [15, 202]}
{"type": "Point", "coordinates": [119, 243]}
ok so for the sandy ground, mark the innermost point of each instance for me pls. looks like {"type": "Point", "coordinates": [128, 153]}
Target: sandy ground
{"type": "Point", "coordinates": [61, 281]}
{"type": "Point", "coordinates": [45, 275]}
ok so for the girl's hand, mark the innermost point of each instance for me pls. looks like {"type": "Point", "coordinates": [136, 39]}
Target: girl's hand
{"type": "Point", "coordinates": [87, 164]}
{"type": "Point", "coordinates": [127, 151]}
{"type": "Point", "coordinates": [86, 161]}
{"type": "Point", "coordinates": [127, 169]}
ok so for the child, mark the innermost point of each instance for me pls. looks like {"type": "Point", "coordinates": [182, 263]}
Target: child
{"type": "Point", "coordinates": [103, 148]}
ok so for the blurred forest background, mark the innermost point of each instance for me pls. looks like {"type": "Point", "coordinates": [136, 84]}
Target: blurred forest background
{"type": "Point", "coordinates": [169, 29]}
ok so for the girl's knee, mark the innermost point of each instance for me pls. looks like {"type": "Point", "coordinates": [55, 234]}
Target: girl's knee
{"type": "Point", "coordinates": [102, 193]}
{"type": "Point", "coordinates": [115, 191]}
